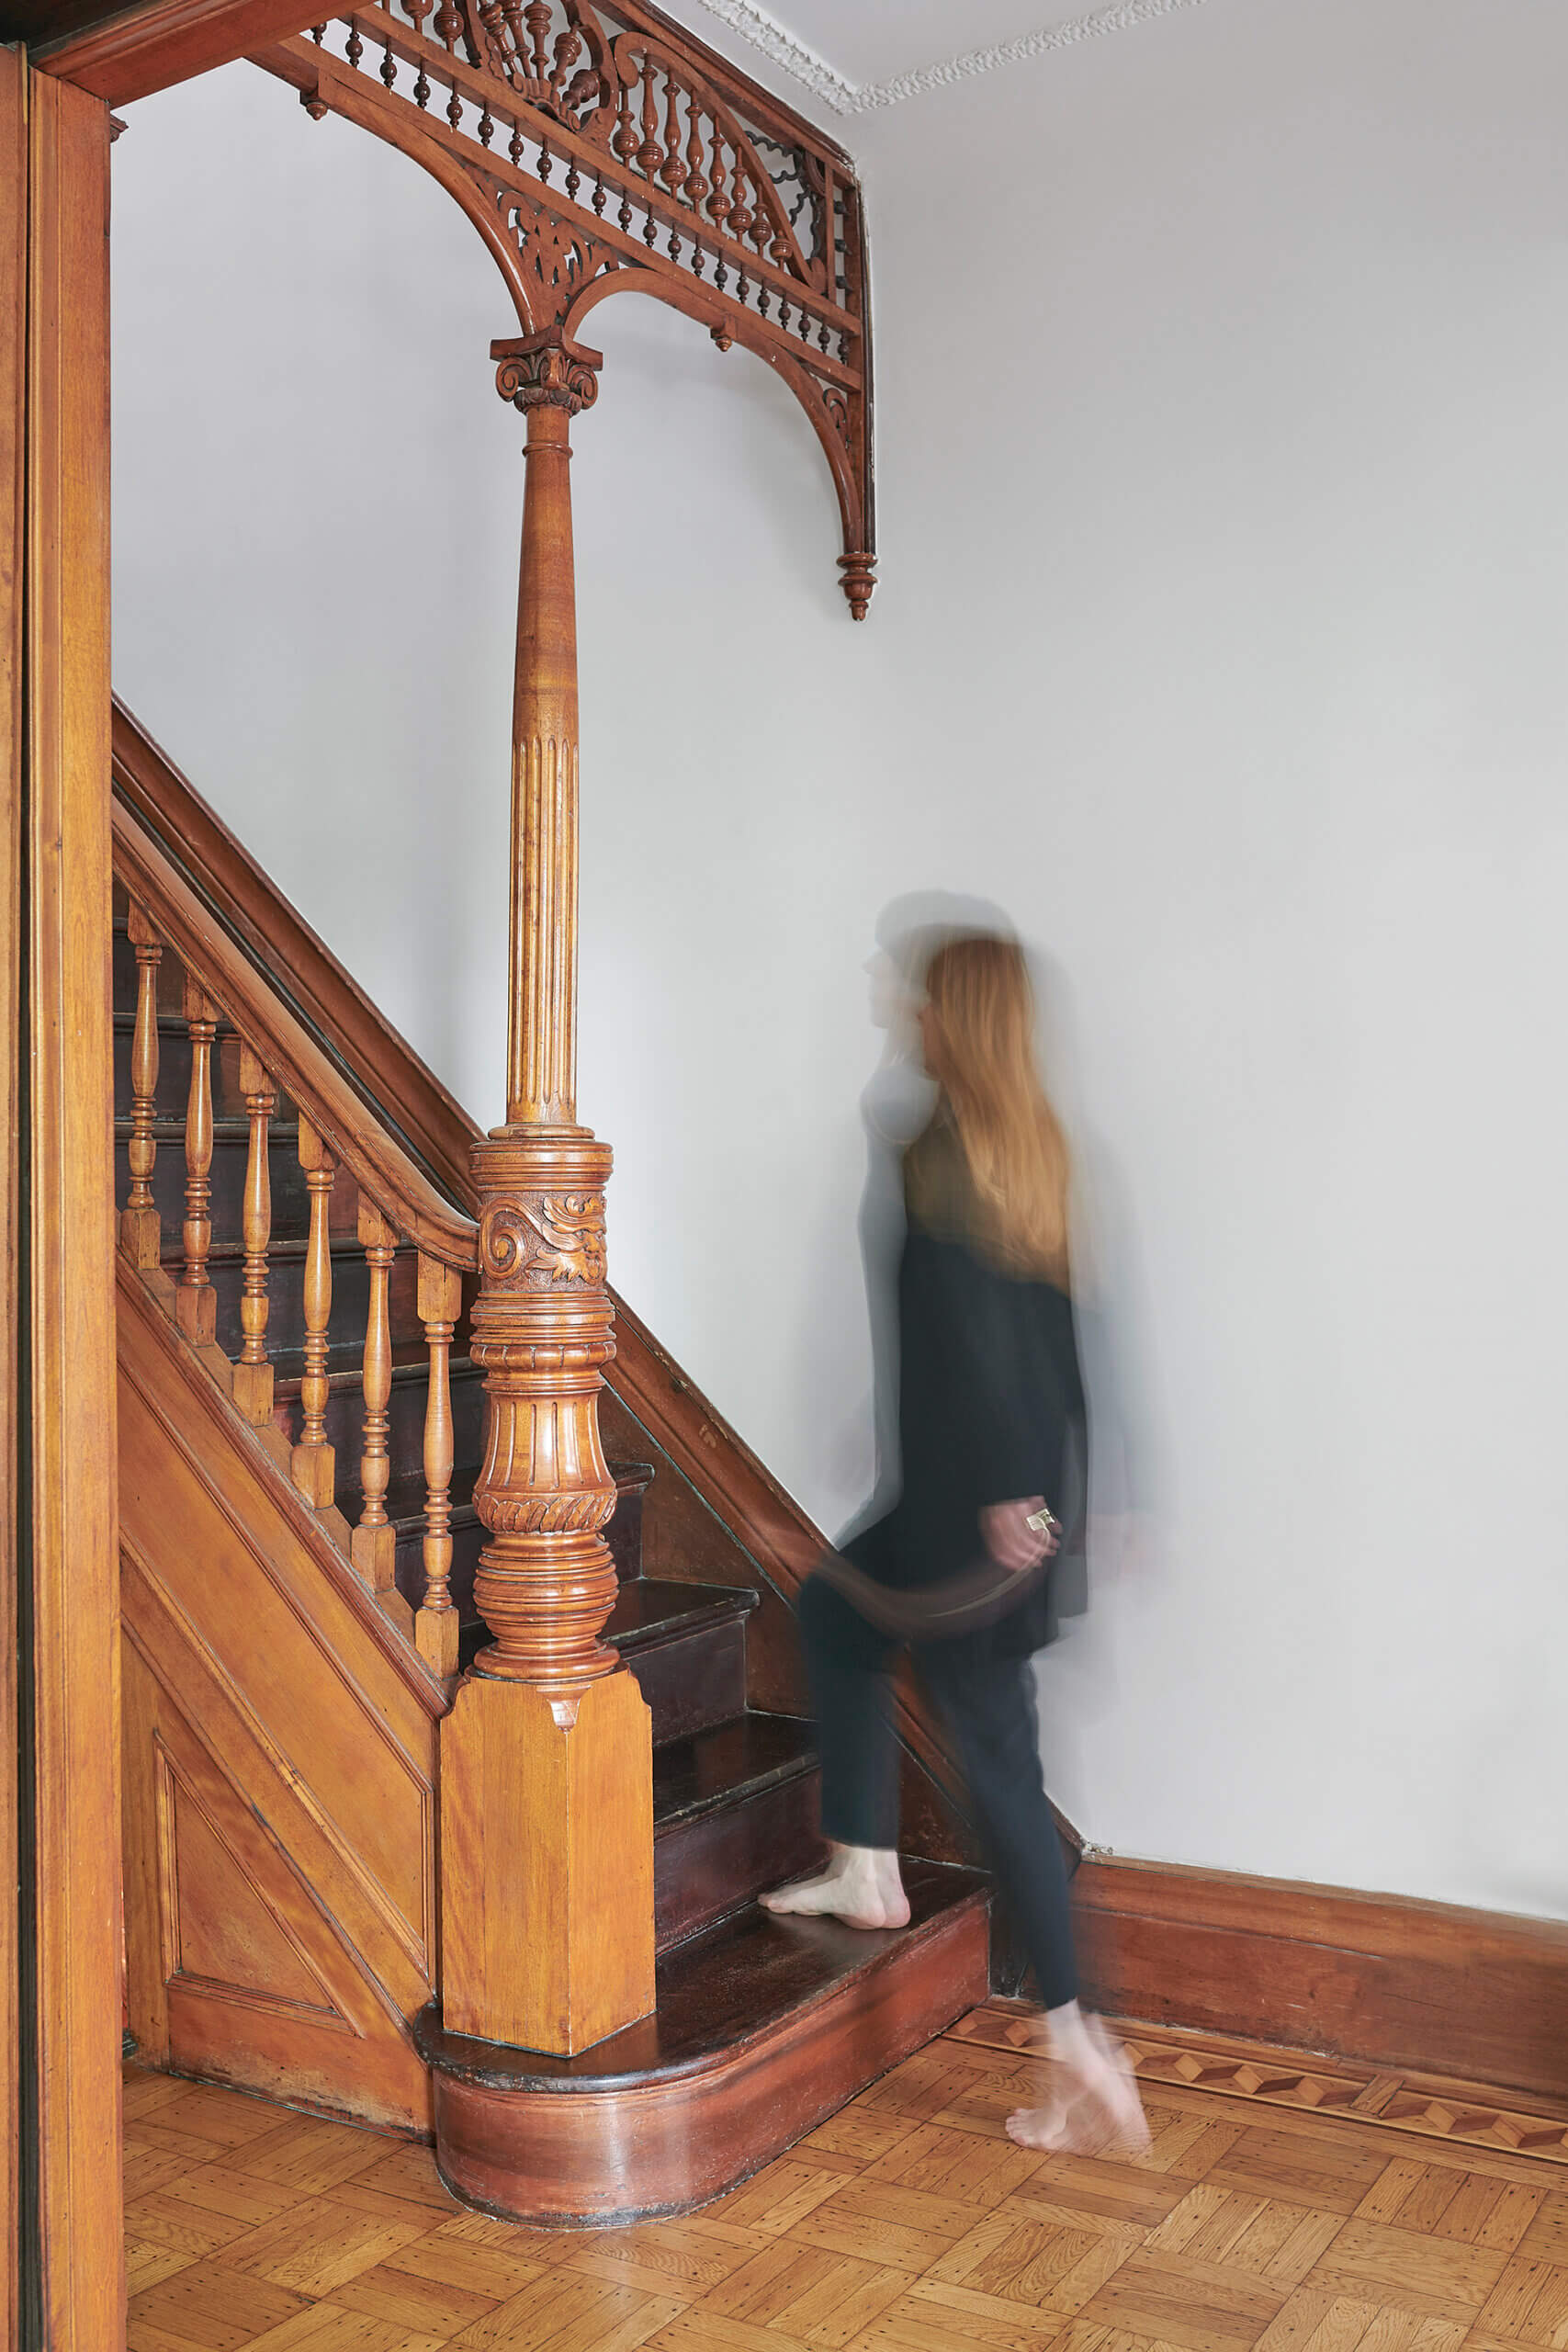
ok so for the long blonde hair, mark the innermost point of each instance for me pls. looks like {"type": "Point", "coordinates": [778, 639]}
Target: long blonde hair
{"type": "Point", "coordinates": [982, 1011]}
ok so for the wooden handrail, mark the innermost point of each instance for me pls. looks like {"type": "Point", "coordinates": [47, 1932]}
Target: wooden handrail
{"type": "Point", "coordinates": [383, 1170]}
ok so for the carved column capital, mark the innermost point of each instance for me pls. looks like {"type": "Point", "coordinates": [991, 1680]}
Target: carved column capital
{"type": "Point", "coordinates": [547, 370]}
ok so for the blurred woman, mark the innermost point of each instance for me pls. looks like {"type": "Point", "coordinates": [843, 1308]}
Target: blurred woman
{"type": "Point", "coordinates": [990, 1412]}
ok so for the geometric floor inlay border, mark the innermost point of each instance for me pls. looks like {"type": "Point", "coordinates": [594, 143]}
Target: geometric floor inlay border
{"type": "Point", "coordinates": [1426, 2105]}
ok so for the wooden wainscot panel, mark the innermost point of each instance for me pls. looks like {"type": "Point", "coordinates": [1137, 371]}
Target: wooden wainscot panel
{"type": "Point", "coordinates": [1402, 1983]}
{"type": "Point", "coordinates": [280, 1763]}
{"type": "Point", "coordinates": [240, 1969]}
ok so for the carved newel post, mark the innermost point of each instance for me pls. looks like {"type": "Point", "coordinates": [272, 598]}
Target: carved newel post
{"type": "Point", "coordinates": [547, 1781]}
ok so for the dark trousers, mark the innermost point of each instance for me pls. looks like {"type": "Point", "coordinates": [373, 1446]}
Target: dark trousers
{"type": "Point", "coordinates": [990, 1707]}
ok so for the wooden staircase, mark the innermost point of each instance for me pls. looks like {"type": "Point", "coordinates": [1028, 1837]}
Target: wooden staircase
{"type": "Point", "coordinates": [299, 1541]}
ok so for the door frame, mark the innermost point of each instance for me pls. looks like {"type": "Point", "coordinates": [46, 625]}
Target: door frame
{"type": "Point", "coordinates": [61, 2264]}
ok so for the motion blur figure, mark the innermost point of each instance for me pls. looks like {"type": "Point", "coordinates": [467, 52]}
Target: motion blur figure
{"type": "Point", "coordinates": [991, 1421]}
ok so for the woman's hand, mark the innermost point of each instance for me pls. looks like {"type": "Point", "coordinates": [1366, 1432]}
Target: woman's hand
{"type": "Point", "coordinates": [1009, 1539]}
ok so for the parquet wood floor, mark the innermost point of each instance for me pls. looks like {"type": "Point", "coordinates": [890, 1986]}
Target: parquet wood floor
{"type": "Point", "coordinates": [1283, 2207]}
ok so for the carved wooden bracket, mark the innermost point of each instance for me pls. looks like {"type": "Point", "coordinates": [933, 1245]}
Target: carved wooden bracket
{"type": "Point", "coordinates": [547, 370]}
{"type": "Point", "coordinates": [599, 149]}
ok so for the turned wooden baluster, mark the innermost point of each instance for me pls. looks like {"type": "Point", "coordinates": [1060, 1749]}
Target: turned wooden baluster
{"type": "Point", "coordinates": [313, 1462]}
{"type": "Point", "coordinates": [195, 1301]}
{"type": "Point", "coordinates": [547, 1791]}
{"type": "Point", "coordinates": [252, 1374]}
{"type": "Point", "coordinates": [435, 1623]}
{"type": "Point", "coordinates": [374, 1544]}
{"type": "Point", "coordinates": [140, 1232]}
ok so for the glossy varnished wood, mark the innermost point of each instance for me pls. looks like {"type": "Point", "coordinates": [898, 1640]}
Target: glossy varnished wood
{"type": "Point", "coordinates": [280, 1759]}
{"type": "Point", "coordinates": [13, 1089]}
{"type": "Point", "coordinates": [658, 163]}
{"type": "Point", "coordinates": [1385, 1978]}
{"type": "Point", "coordinates": [121, 54]}
{"type": "Point", "coordinates": [358, 1139]}
{"type": "Point", "coordinates": [764, 2027]}
{"type": "Point", "coordinates": [908, 2223]}
{"type": "Point", "coordinates": [546, 1861]}
{"type": "Point", "coordinates": [75, 1829]}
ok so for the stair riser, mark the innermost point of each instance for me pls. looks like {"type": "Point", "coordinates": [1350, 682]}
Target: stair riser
{"type": "Point", "coordinates": [622, 2151]}
{"type": "Point", "coordinates": [705, 1868]}
{"type": "Point", "coordinates": [694, 1681]}
{"type": "Point", "coordinates": [350, 1306]}
{"type": "Point", "coordinates": [290, 1201]}
{"type": "Point", "coordinates": [467, 1543]}
{"type": "Point", "coordinates": [173, 1090]}
{"type": "Point", "coordinates": [127, 972]}
{"type": "Point", "coordinates": [406, 1412]}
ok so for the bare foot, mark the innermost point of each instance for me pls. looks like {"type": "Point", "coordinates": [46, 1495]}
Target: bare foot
{"type": "Point", "coordinates": [1099, 2107]}
{"type": "Point", "coordinates": [861, 1886]}
{"type": "Point", "coordinates": [1038, 2127]}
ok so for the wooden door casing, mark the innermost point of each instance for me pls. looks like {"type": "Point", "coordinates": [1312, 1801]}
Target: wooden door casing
{"type": "Point", "coordinates": [72, 2268]}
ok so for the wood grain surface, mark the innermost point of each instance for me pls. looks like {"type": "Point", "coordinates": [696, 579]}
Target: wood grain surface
{"type": "Point", "coordinates": [907, 2224]}
{"type": "Point", "coordinates": [75, 1596]}
{"type": "Point", "coordinates": [121, 54]}
{"type": "Point", "coordinates": [13, 1095]}
{"type": "Point", "coordinates": [279, 1740]}
{"type": "Point", "coordinates": [1385, 1978]}
{"type": "Point", "coordinates": [763, 2029]}
{"type": "Point", "coordinates": [546, 1835]}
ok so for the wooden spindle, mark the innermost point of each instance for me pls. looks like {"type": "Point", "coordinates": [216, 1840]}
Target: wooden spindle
{"type": "Point", "coordinates": [649, 154]}
{"type": "Point", "coordinates": [313, 1463]}
{"type": "Point", "coordinates": [195, 1301]}
{"type": "Point", "coordinates": [697, 151]}
{"type": "Point", "coordinates": [536, 16]}
{"type": "Point", "coordinates": [373, 1545]}
{"type": "Point", "coordinates": [435, 1623]}
{"type": "Point", "coordinates": [672, 170]}
{"type": "Point", "coordinates": [140, 1232]}
{"type": "Point", "coordinates": [252, 1374]}
{"type": "Point", "coordinates": [721, 202]}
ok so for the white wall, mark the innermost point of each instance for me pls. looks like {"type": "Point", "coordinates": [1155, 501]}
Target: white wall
{"type": "Point", "coordinates": [1221, 374]}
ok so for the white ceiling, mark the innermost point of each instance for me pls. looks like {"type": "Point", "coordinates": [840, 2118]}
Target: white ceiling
{"type": "Point", "coordinates": [851, 54]}
{"type": "Point", "coordinates": [874, 40]}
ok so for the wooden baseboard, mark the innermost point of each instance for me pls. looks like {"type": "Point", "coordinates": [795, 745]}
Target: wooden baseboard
{"type": "Point", "coordinates": [1379, 1978]}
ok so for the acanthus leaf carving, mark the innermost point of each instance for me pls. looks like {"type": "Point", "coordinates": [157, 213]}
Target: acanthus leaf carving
{"type": "Point", "coordinates": [547, 370]}
{"type": "Point", "coordinates": [547, 1241]}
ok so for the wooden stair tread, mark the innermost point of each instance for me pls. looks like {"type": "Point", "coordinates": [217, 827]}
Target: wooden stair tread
{"type": "Point", "coordinates": [410, 1362]}
{"type": "Point", "coordinates": [720, 1993]}
{"type": "Point", "coordinates": [650, 1610]}
{"type": "Point", "coordinates": [727, 1763]}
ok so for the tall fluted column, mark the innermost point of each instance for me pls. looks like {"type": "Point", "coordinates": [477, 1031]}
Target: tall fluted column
{"type": "Point", "coordinates": [547, 1760]}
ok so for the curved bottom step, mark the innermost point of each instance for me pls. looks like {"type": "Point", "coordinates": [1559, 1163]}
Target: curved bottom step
{"type": "Point", "coordinates": [764, 2028]}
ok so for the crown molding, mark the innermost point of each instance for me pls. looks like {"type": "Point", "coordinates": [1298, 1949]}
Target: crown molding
{"type": "Point", "coordinates": [794, 57]}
